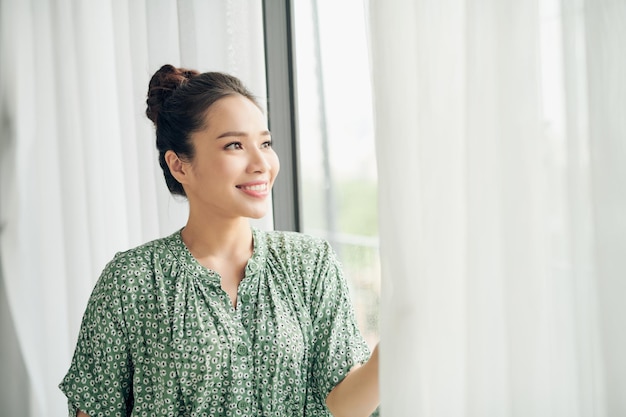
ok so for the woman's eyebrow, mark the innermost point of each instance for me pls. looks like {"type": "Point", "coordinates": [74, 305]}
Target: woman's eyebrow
{"type": "Point", "coordinates": [237, 133]}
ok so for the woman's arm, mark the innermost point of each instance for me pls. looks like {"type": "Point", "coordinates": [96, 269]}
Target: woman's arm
{"type": "Point", "coordinates": [357, 395]}
{"type": "Point", "coordinates": [81, 414]}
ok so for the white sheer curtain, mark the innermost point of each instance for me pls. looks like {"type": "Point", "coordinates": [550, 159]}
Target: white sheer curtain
{"type": "Point", "coordinates": [79, 177]}
{"type": "Point", "coordinates": [501, 140]}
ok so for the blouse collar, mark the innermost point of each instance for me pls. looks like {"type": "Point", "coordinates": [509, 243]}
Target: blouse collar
{"type": "Point", "coordinates": [181, 253]}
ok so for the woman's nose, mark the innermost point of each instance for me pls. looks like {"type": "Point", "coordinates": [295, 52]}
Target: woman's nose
{"type": "Point", "coordinates": [258, 161]}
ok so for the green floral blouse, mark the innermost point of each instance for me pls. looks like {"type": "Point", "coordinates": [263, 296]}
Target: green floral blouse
{"type": "Point", "coordinates": [161, 338]}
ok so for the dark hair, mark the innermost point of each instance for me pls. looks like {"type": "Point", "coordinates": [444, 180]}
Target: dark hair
{"type": "Point", "coordinates": [177, 103]}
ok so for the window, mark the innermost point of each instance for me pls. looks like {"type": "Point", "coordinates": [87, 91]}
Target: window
{"type": "Point", "coordinates": [337, 165]}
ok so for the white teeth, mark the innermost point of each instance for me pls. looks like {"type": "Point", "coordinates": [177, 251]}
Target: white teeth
{"type": "Point", "coordinates": [260, 187]}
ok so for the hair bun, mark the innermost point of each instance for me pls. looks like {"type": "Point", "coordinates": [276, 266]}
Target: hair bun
{"type": "Point", "coordinates": [162, 85]}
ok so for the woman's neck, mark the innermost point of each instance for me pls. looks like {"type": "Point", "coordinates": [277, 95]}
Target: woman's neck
{"type": "Point", "coordinates": [206, 237]}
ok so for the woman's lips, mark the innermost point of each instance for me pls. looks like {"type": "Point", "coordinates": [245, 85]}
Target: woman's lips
{"type": "Point", "coordinates": [255, 189]}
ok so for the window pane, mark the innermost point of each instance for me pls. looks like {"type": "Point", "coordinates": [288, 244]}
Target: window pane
{"type": "Point", "coordinates": [336, 143]}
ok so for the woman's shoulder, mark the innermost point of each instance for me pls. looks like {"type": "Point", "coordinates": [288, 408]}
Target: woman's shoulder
{"type": "Point", "coordinates": [138, 263]}
{"type": "Point", "coordinates": [146, 252]}
{"type": "Point", "coordinates": [288, 241]}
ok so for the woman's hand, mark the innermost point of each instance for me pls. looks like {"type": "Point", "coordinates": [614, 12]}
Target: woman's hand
{"type": "Point", "coordinates": [357, 395]}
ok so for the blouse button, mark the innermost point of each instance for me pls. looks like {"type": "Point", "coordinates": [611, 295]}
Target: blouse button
{"type": "Point", "coordinates": [245, 298]}
{"type": "Point", "coordinates": [242, 404]}
{"type": "Point", "coordinates": [242, 350]}
{"type": "Point", "coordinates": [252, 266]}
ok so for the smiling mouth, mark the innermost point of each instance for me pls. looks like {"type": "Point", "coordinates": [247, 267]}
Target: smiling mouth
{"type": "Point", "coordinates": [256, 187]}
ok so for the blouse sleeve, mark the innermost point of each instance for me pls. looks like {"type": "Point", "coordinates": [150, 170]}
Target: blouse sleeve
{"type": "Point", "coordinates": [337, 341]}
{"type": "Point", "coordinates": [99, 381]}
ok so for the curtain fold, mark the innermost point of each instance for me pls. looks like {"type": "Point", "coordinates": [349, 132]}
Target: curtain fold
{"type": "Point", "coordinates": [501, 158]}
{"type": "Point", "coordinates": [80, 178]}
{"type": "Point", "coordinates": [606, 92]}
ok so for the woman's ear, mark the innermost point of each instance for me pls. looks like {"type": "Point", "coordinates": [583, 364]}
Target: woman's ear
{"type": "Point", "coordinates": [178, 168]}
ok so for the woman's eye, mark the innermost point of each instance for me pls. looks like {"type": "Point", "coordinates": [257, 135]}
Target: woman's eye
{"type": "Point", "coordinates": [267, 144]}
{"type": "Point", "coordinates": [233, 145]}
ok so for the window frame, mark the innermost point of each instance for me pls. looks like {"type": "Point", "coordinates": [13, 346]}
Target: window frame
{"type": "Point", "coordinates": [280, 70]}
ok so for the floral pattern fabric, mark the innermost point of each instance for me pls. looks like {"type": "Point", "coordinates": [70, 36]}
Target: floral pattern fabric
{"type": "Point", "coordinates": [161, 338]}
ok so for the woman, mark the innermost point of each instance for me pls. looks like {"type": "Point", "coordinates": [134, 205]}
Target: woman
{"type": "Point", "coordinates": [220, 319]}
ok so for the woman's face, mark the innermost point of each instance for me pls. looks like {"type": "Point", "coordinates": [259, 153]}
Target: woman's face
{"type": "Point", "coordinates": [234, 166]}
